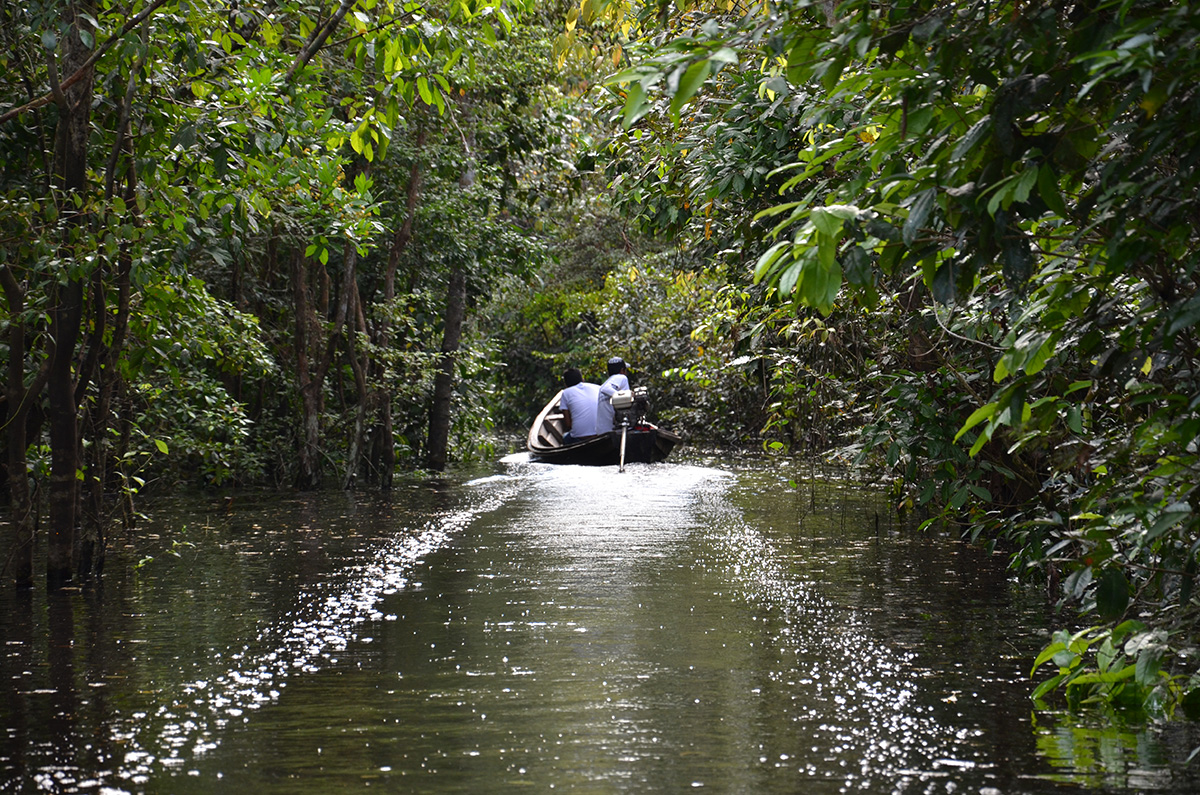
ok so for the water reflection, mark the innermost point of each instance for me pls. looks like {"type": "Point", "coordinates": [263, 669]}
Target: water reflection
{"type": "Point", "coordinates": [672, 627]}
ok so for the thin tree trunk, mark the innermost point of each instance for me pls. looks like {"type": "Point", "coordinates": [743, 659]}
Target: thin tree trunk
{"type": "Point", "coordinates": [19, 399]}
{"type": "Point", "coordinates": [64, 436]}
{"type": "Point", "coordinates": [100, 463]}
{"type": "Point", "coordinates": [456, 308]}
{"type": "Point", "coordinates": [71, 149]}
{"type": "Point", "coordinates": [91, 537]}
{"type": "Point", "coordinates": [386, 441]}
{"type": "Point", "coordinates": [312, 379]}
{"type": "Point", "coordinates": [443, 383]}
{"type": "Point", "coordinates": [309, 474]}
{"type": "Point", "coordinates": [358, 367]}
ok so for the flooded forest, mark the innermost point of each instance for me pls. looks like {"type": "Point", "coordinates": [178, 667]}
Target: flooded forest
{"type": "Point", "coordinates": [283, 285]}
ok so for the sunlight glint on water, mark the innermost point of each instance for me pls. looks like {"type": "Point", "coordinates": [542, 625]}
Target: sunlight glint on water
{"type": "Point", "coordinates": [556, 629]}
{"type": "Point", "coordinates": [192, 724]}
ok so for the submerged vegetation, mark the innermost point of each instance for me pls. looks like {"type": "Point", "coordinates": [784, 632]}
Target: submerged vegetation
{"type": "Point", "coordinates": [310, 245]}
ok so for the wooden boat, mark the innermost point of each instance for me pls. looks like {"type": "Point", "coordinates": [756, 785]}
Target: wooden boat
{"type": "Point", "coordinates": [644, 442]}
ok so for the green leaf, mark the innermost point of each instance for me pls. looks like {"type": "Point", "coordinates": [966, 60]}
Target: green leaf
{"type": "Point", "coordinates": [1191, 703]}
{"type": "Point", "coordinates": [1016, 258]}
{"type": "Point", "coordinates": [1107, 677]}
{"type": "Point", "coordinates": [821, 285]}
{"type": "Point", "coordinates": [983, 439]}
{"type": "Point", "coordinates": [977, 416]}
{"type": "Point", "coordinates": [1047, 686]}
{"type": "Point", "coordinates": [944, 286]}
{"type": "Point", "coordinates": [724, 55]}
{"type": "Point", "coordinates": [1028, 179]}
{"type": "Point", "coordinates": [161, 445]}
{"type": "Point", "coordinates": [1001, 372]}
{"type": "Point", "coordinates": [769, 258]}
{"type": "Point", "coordinates": [1039, 359]}
{"type": "Point", "coordinates": [689, 84]}
{"type": "Point", "coordinates": [1184, 316]}
{"type": "Point", "coordinates": [423, 90]}
{"type": "Point", "coordinates": [918, 214]}
{"type": "Point", "coordinates": [1046, 655]}
{"type": "Point", "coordinates": [856, 264]}
{"type": "Point", "coordinates": [790, 277]}
{"type": "Point", "coordinates": [1112, 594]}
{"type": "Point", "coordinates": [635, 105]}
{"type": "Point", "coordinates": [1149, 662]}
{"type": "Point", "coordinates": [1049, 191]}
{"type": "Point", "coordinates": [972, 137]}
{"type": "Point", "coordinates": [1172, 515]}
{"type": "Point", "coordinates": [829, 220]}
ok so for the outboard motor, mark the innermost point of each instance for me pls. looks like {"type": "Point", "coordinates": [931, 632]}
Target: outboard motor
{"type": "Point", "coordinates": [630, 406]}
{"type": "Point", "coordinates": [629, 410]}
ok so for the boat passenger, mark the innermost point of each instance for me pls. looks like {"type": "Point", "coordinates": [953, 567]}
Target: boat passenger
{"type": "Point", "coordinates": [618, 379]}
{"type": "Point", "coordinates": [578, 405]}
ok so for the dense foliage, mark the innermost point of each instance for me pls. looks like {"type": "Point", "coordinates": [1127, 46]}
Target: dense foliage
{"type": "Point", "coordinates": [242, 243]}
{"type": "Point", "coordinates": [310, 244]}
{"type": "Point", "coordinates": [976, 226]}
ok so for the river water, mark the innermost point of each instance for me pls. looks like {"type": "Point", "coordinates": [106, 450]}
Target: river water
{"type": "Point", "coordinates": [536, 628]}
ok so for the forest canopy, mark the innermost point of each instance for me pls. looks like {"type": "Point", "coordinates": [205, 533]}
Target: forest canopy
{"type": "Point", "coordinates": [315, 244]}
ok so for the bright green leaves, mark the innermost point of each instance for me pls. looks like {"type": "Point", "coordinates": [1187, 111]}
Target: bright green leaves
{"type": "Point", "coordinates": [829, 221]}
{"type": "Point", "coordinates": [1028, 236]}
{"type": "Point", "coordinates": [365, 137]}
{"type": "Point", "coordinates": [807, 268]}
{"type": "Point", "coordinates": [686, 67]}
{"type": "Point", "coordinates": [980, 414]}
{"type": "Point", "coordinates": [433, 91]}
{"type": "Point", "coordinates": [1121, 666]}
{"type": "Point", "coordinates": [1028, 353]}
{"type": "Point", "coordinates": [687, 84]}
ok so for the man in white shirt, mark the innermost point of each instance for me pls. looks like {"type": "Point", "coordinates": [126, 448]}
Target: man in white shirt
{"type": "Point", "coordinates": [617, 380]}
{"type": "Point", "coordinates": [578, 404]}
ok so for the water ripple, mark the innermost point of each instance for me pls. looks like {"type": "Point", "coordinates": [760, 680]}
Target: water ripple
{"type": "Point", "coordinates": [190, 724]}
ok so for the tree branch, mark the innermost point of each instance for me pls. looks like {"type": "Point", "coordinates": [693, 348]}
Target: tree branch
{"type": "Point", "coordinates": [83, 70]}
{"type": "Point", "coordinates": [317, 39]}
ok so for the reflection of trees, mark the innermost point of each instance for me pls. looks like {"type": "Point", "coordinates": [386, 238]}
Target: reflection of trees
{"type": "Point", "coordinates": [1110, 756]}
{"type": "Point", "coordinates": [64, 701]}
{"type": "Point", "coordinates": [16, 665]}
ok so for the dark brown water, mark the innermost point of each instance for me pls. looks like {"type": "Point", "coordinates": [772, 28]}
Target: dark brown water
{"type": "Point", "coordinates": [544, 629]}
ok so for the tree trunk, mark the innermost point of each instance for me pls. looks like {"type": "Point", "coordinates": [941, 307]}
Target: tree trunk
{"type": "Point", "coordinates": [386, 431]}
{"type": "Point", "coordinates": [309, 474]}
{"type": "Point", "coordinates": [71, 149]}
{"type": "Point", "coordinates": [101, 464]}
{"type": "Point", "coordinates": [91, 510]}
{"type": "Point", "coordinates": [64, 436]}
{"type": "Point", "coordinates": [443, 383]}
{"type": "Point", "coordinates": [19, 399]}
{"type": "Point", "coordinates": [358, 367]}
{"type": "Point", "coordinates": [312, 379]}
{"type": "Point", "coordinates": [456, 307]}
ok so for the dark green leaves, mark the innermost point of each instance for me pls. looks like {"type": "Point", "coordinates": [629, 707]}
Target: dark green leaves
{"type": "Point", "coordinates": [918, 215]}
{"type": "Point", "coordinates": [1112, 594]}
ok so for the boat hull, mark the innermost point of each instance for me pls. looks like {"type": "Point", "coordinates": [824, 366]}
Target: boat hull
{"type": "Point", "coordinates": [644, 443]}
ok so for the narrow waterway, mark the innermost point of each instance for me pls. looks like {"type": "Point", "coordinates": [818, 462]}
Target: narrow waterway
{"type": "Point", "coordinates": [542, 628]}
